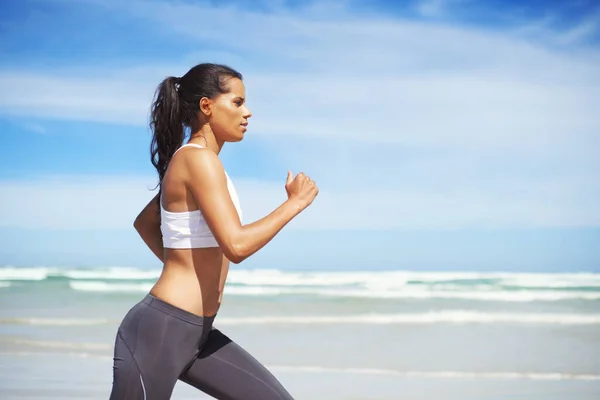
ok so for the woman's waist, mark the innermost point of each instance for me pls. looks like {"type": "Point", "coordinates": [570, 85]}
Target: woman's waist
{"type": "Point", "coordinates": [195, 287]}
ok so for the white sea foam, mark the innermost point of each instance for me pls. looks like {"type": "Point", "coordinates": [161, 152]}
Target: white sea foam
{"type": "Point", "coordinates": [27, 274]}
{"type": "Point", "coordinates": [441, 374]}
{"type": "Point", "coordinates": [291, 278]}
{"type": "Point", "coordinates": [520, 296]}
{"type": "Point", "coordinates": [107, 273]}
{"type": "Point", "coordinates": [4, 284]}
{"type": "Point", "coordinates": [266, 290]}
{"type": "Point", "coordinates": [112, 274]}
{"type": "Point", "coordinates": [54, 321]}
{"type": "Point", "coordinates": [99, 286]}
{"type": "Point", "coordinates": [59, 344]}
{"type": "Point", "coordinates": [314, 369]}
{"type": "Point", "coordinates": [474, 286]}
{"type": "Point", "coordinates": [552, 280]}
{"type": "Point", "coordinates": [422, 294]}
{"type": "Point", "coordinates": [63, 353]}
{"type": "Point", "coordinates": [374, 293]}
{"type": "Point", "coordinates": [399, 279]}
{"type": "Point", "coordinates": [453, 317]}
{"type": "Point", "coordinates": [439, 317]}
{"type": "Point", "coordinates": [273, 277]}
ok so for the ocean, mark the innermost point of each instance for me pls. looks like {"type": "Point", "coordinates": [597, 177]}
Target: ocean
{"type": "Point", "coordinates": [335, 335]}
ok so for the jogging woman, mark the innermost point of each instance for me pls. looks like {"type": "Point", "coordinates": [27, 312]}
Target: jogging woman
{"type": "Point", "coordinates": [194, 226]}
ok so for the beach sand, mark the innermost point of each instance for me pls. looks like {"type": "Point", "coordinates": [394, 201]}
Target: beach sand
{"type": "Point", "coordinates": [62, 376]}
{"type": "Point", "coordinates": [480, 340]}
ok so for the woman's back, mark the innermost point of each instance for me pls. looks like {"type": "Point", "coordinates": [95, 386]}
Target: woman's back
{"type": "Point", "coordinates": [195, 268]}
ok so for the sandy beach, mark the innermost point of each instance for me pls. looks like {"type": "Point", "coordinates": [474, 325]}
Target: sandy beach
{"type": "Point", "coordinates": [339, 336]}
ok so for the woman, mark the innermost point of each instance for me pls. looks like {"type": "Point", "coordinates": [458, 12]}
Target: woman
{"type": "Point", "coordinates": [194, 226]}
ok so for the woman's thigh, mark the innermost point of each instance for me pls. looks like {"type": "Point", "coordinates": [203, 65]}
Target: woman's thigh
{"type": "Point", "coordinates": [226, 371]}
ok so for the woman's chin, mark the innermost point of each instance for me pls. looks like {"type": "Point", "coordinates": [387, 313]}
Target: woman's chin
{"type": "Point", "coordinates": [235, 138]}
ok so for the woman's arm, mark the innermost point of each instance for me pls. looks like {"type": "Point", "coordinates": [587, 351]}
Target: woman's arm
{"type": "Point", "coordinates": [147, 224]}
{"type": "Point", "coordinates": [208, 185]}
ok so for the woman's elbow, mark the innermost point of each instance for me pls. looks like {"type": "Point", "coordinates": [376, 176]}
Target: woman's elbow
{"type": "Point", "coordinates": [234, 254]}
{"type": "Point", "coordinates": [145, 227]}
{"type": "Point", "coordinates": [138, 224]}
{"type": "Point", "coordinates": [235, 250]}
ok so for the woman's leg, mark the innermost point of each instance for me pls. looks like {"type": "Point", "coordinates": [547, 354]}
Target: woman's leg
{"type": "Point", "coordinates": [129, 383]}
{"type": "Point", "coordinates": [226, 371]}
{"type": "Point", "coordinates": [154, 344]}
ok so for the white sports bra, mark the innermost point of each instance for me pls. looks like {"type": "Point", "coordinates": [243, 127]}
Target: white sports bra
{"type": "Point", "coordinates": [188, 229]}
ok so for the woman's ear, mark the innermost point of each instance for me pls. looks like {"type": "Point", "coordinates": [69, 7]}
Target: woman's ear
{"type": "Point", "coordinates": [206, 106]}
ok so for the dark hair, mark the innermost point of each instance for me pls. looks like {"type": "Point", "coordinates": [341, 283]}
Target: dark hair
{"type": "Point", "coordinates": [176, 105]}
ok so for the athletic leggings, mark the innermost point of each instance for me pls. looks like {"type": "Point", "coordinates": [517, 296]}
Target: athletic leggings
{"type": "Point", "coordinates": [158, 343]}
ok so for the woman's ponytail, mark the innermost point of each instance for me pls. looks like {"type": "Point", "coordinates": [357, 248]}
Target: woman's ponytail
{"type": "Point", "coordinates": [166, 125]}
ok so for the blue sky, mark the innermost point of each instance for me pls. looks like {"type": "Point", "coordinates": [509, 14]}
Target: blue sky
{"type": "Point", "coordinates": [444, 135]}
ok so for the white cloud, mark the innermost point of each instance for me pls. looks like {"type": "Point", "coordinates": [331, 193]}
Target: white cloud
{"type": "Point", "coordinates": [571, 33]}
{"type": "Point", "coordinates": [431, 8]}
{"type": "Point", "coordinates": [105, 202]}
{"type": "Point", "coordinates": [398, 81]}
{"type": "Point", "coordinates": [404, 124]}
{"type": "Point", "coordinates": [436, 110]}
{"type": "Point", "coordinates": [107, 98]}
{"type": "Point", "coordinates": [583, 30]}
{"type": "Point", "coordinates": [74, 202]}
{"type": "Point", "coordinates": [35, 128]}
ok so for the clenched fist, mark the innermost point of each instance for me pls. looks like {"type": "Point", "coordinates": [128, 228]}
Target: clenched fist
{"type": "Point", "coordinates": [301, 189]}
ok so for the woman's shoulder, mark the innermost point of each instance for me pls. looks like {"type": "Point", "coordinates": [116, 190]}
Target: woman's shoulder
{"type": "Point", "coordinates": [199, 163]}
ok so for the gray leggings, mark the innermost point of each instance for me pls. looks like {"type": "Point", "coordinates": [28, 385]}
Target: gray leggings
{"type": "Point", "coordinates": [158, 343]}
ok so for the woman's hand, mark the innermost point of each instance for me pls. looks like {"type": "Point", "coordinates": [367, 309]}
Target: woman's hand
{"type": "Point", "coordinates": [301, 189]}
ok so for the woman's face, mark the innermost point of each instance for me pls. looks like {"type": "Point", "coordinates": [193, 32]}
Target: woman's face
{"type": "Point", "coordinates": [229, 115]}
